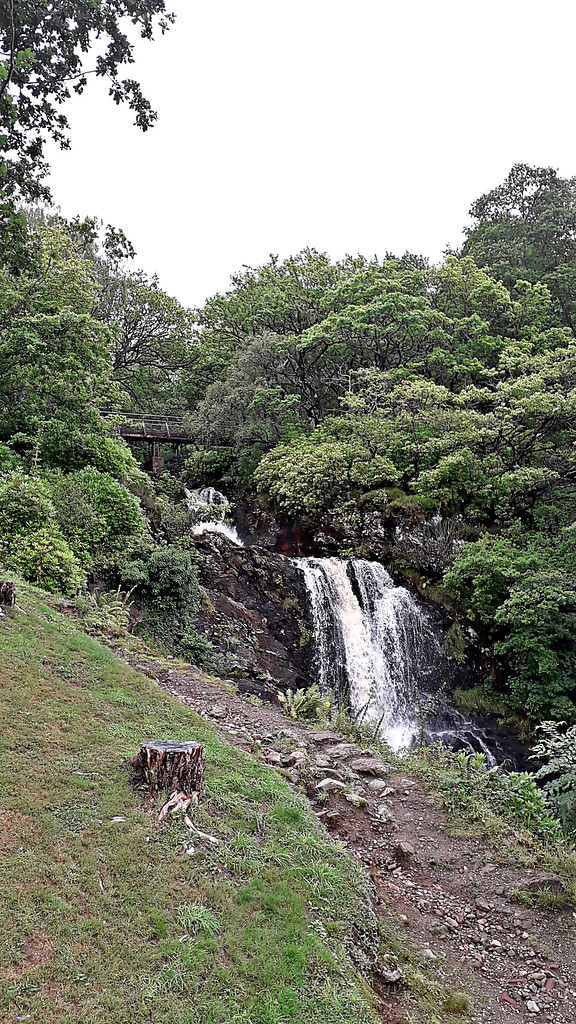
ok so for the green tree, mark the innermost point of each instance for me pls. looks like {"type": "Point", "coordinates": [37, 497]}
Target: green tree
{"type": "Point", "coordinates": [43, 59]}
{"type": "Point", "coordinates": [525, 230]}
{"type": "Point", "coordinates": [55, 362]}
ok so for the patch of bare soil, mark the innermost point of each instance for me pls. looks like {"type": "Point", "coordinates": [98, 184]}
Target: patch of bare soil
{"type": "Point", "coordinates": [449, 894]}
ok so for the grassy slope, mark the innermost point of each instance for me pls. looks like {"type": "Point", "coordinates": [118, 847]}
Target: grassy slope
{"type": "Point", "coordinates": [103, 921]}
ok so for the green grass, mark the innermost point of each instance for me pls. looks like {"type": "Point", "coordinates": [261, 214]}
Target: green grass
{"type": "Point", "coordinates": [113, 922]}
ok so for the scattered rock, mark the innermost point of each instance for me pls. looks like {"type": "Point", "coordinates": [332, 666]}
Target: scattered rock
{"type": "Point", "coordinates": [218, 712]}
{"type": "Point", "coordinates": [483, 905]}
{"type": "Point", "coordinates": [330, 785]}
{"type": "Point", "coordinates": [273, 757]}
{"type": "Point", "coordinates": [331, 773]}
{"type": "Point", "coordinates": [403, 851]}
{"type": "Point", "coordinates": [542, 882]}
{"type": "Point", "coordinates": [297, 759]}
{"type": "Point", "coordinates": [371, 766]}
{"type": "Point", "coordinates": [324, 737]}
{"type": "Point", "coordinates": [343, 750]}
{"type": "Point", "coordinates": [381, 787]}
{"type": "Point", "coordinates": [385, 813]}
{"type": "Point", "coordinates": [391, 977]}
{"type": "Point", "coordinates": [323, 762]}
{"type": "Point", "coordinates": [532, 1007]}
{"type": "Point", "coordinates": [356, 799]}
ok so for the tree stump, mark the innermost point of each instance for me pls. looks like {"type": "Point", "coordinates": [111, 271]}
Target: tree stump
{"type": "Point", "coordinates": [7, 593]}
{"type": "Point", "coordinates": [171, 766]}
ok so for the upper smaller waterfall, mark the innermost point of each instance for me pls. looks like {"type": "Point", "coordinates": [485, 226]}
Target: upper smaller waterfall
{"type": "Point", "coordinates": [374, 637]}
{"type": "Point", "coordinates": [210, 497]}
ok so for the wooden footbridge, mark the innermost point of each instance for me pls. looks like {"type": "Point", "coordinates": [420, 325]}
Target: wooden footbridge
{"type": "Point", "coordinates": [153, 430]}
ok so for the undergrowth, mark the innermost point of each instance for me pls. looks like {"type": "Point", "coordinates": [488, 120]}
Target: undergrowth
{"type": "Point", "coordinates": [506, 809]}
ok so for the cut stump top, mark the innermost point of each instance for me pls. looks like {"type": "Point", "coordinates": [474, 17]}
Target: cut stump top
{"type": "Point", "coordinates": [169, 747]}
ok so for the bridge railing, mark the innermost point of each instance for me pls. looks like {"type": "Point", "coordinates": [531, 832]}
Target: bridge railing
{"type": "Point", "coordinates": [153, 427]}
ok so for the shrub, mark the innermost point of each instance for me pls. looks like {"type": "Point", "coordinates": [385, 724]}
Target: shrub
{"type": "Point", "coordinates": [63, 447]}
{"type": "Point", "coordinates": [106, 611]}
{"type": "Point", "coordinates": [202, 466]}
{"type": "Point", "coordinates": [558, 749]}
{"type": "Point", "coordinates": [44, 557]}
{"type": "Point", "coordinates": [92, 508]}
{"type": "Point", "coordinates": [194, 646]}
{"type": "Point", "coordinates": [8, 459]}
{"type": "Point", "coordinates": [469, 787]}
{"type": "Point", "coordinates": [170, 588]}
{"type": "Point", "coordinates": [522, 592]}
{"type": "Point", "coordinates": [25, 504]}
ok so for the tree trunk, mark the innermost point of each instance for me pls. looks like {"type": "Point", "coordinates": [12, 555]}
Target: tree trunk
{"type": "Point", "coordinates": [171, 766]}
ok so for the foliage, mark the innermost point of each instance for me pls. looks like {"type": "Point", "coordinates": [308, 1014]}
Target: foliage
{"type": "Point", "coordinates": [25, 504]}
{"type": "Point", "coordinates": [522, 592]}
{"type": "Point", "coordinates": [93, 509]}
{"type": "Point", "coordinates": [557, 748]}
{"type": "Point", "coordinates": [303, 476]}
{"type": "Point", "coordinates": [153, 338]}
{"type": "Point", "coordinates": [43, 60]}
{"type": "Point", "coordinates": [106, 611]}
{"type": "Point", "coordinates": [195, 647]}
{"type": "Point", "coordinates": [62, 446]}
{"type": "Point", "coordinates": [469, 787]}
{"type": "Point", "coordinates": [524, 230]}
{"type": "Point", "coordinates": [165, 581]}
{"type": "Point", "coordinates": [43, 557]}
{"type": "Point", "coordinates": [55, 365]}
{"type": "Point", "coordinates": [305, 703]}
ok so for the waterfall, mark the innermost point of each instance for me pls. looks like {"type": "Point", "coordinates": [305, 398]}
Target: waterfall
{"type": "Point", "coordinates": [374, 638]}
{"type": "Point", "coordinates": [210, 497]}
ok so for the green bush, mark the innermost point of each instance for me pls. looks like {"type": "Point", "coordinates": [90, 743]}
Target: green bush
{"type": "Point", "coordinates": [25, 504]}
{"type": "Point", "coordinates": [61, 446]}
{"type": "Point", "coordinates": [172, 583]}
{"type": "Point", "coordinates": [468, 787]}
{"type": "Point", "coordinates": [194, 646]}
{"type": "Point", "coordinates": [203, 466]}
{"type": "Point", "coordinates": [558, 774]}
{"type": "Point", "coordinates": [165, 580]}
{"type": "Point", "coordinates": [92, 509]}
{"type": "Point", "coordinates": [8, 459]}
{"type": "Point", "coordinates": [521, 592]}
{"type": "Point", "coordinates": [44, 557]}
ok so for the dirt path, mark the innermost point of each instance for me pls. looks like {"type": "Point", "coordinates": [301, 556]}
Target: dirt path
{"type": "Point", "coordinates": [447, 892]}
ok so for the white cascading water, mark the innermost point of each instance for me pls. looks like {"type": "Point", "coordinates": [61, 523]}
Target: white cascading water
{"type": "Point", "coordinates": [211, 497]}
{"type": "Point", "coordinates": [374, 637]}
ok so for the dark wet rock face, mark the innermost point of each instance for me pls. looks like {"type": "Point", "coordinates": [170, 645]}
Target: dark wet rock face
{"type": "Point", "coordinates": [256, 613]}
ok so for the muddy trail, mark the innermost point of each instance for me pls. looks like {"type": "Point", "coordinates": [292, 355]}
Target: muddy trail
{"type": "Point", "coordinates": [448, 894]}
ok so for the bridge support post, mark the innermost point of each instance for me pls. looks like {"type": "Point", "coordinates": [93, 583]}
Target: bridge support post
{"type": "Point", "coordinates": [154, 464]}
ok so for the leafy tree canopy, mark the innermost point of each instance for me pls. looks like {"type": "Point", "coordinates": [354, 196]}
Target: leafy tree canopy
{"type": "Point", "coordinates": [525, 229]}
{"type": "Point", "coordinates": [44, 57]}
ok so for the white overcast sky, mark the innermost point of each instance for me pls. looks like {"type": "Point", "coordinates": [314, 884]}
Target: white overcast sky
{"type": "Point", "coordinates": [359, 126]}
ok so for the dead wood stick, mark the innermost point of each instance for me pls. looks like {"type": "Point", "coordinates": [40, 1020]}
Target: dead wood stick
{"type": "Point", "coordinates": [203, 835]}
{"type": "Point", "coordinates": [176, 802]}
